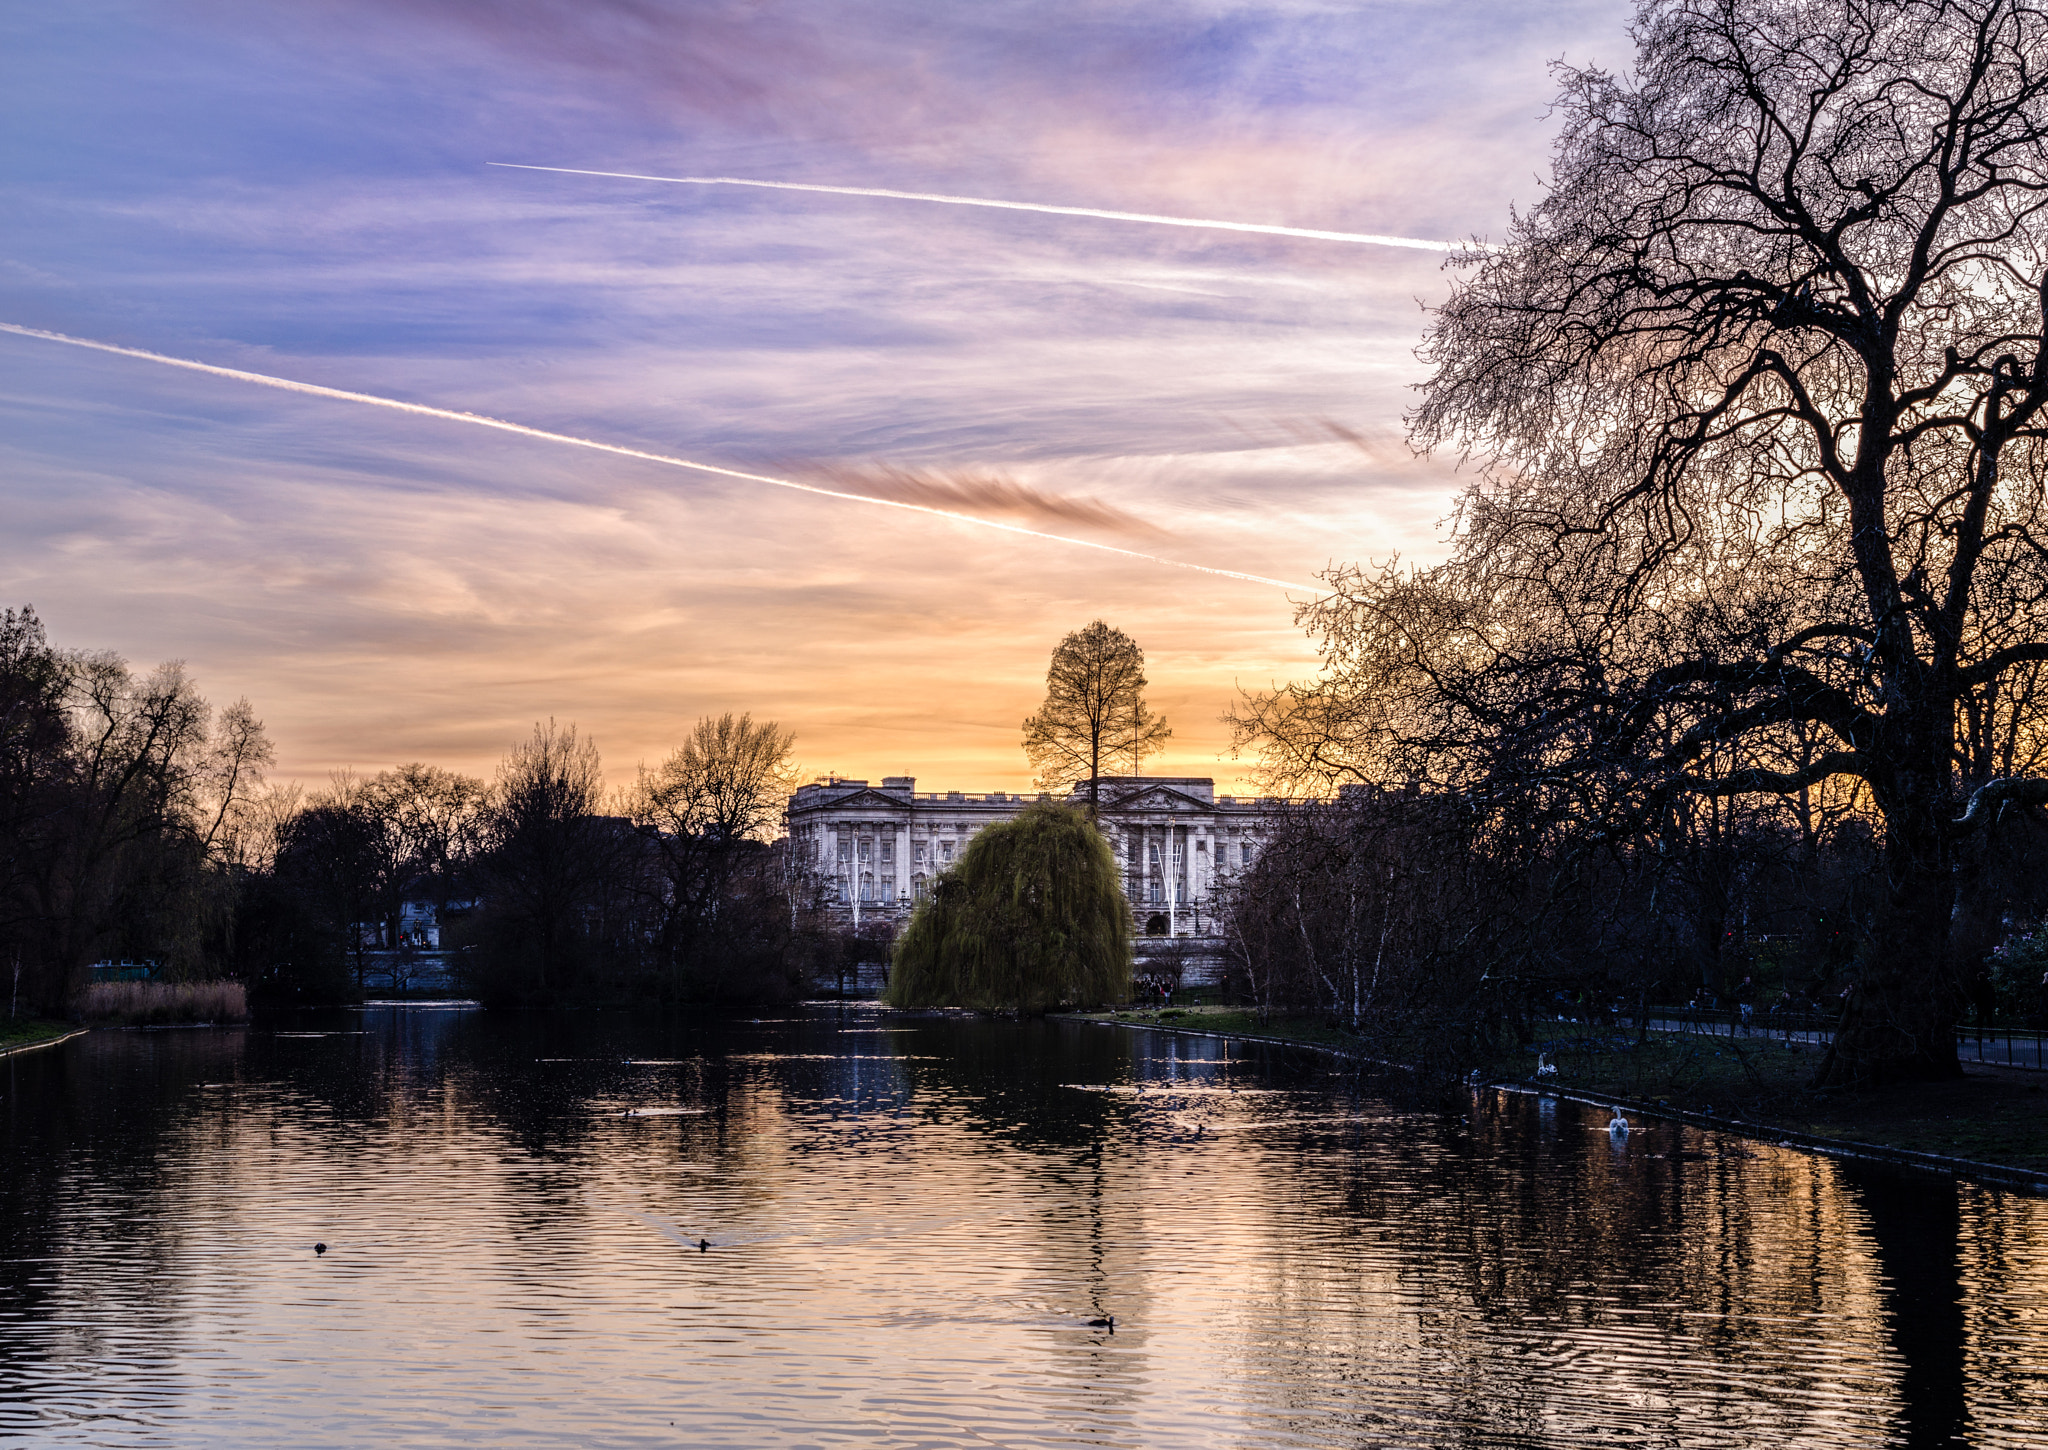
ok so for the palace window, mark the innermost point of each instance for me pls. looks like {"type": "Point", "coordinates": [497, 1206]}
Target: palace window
{"type": "Point", "coordinates": [888, 850]}
{"type": "Point", "coordinates": [945, 852]}
{"type": "Point", "coordinates": [865, 846]}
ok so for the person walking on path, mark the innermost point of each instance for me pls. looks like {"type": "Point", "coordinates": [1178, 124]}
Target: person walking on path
{"type": "Point", "coordinates": [1745, 998]}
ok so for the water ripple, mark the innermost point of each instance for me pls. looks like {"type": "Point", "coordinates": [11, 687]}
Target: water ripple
{"type": "Point", "coordinates": [908, 1241]}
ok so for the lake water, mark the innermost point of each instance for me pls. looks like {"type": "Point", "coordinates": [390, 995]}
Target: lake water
{"type": "Point", "coordinates": [911, 1222]}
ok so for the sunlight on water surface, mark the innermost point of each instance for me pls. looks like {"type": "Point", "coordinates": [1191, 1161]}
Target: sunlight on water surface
{"type": "Point", "coordinates": [846, 1227]}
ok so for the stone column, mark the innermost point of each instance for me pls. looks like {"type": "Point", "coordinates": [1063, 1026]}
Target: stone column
{"type": "Point", "coordinates": [1172, 883]}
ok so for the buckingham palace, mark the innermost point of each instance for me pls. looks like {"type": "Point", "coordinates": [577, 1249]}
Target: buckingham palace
{"type": "Point", "coordinates": [877, 847]}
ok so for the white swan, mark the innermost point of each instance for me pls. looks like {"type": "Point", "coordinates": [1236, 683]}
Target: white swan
{"type": "Point", "coordinates": [1544, 1066]}
{"type": "Point", "coordinates": [1617, 1128]}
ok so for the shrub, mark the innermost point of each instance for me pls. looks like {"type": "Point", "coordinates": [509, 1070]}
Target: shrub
{"type": "Point", "coordinates": [136, 1003]}
{"type": "Point", "coordinates": [2018, 969]}
{"type": "Point", "coordinates": [1031, 917]}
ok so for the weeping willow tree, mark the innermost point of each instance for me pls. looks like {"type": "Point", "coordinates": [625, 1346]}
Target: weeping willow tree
{"type": "Point", "coordinates": [1032, 917]}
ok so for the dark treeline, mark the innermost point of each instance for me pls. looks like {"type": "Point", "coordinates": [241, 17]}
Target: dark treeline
{"type": "Point", "coordinates": [1440, 930]}
{"type": "Point", "coordinates": [1742, 628]}
{"type": "Point", "coordinates": [136, 826]}
{"type": "Point", "coordinates": [127, 807]}
{"type": "Point", "coordinates": [672, 895]}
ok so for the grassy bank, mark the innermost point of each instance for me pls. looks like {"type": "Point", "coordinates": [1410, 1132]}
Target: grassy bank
{"type": "Point", "coordinates": [1989, 1115]}
{"type": "Point", "coordinates": [28, 1031]}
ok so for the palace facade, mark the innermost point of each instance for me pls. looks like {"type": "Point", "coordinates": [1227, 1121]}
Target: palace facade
{"type": "Point", "coordinates": [878, 847]}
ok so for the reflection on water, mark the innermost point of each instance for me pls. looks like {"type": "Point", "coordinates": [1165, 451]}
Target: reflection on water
{"type": "Point", "coordinates": [850, 1227]}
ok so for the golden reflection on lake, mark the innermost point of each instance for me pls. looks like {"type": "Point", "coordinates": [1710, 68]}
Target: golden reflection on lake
{"type": "Point", "coordinates": [909, 1231]}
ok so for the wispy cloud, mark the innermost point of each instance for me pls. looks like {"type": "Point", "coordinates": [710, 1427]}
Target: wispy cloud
{"type": "Point", "coordinates": [423, 410]}
{"type": "Point", "coordinates": [986, 496]}
{"type": "Point", "coordinates": [1012, 394]}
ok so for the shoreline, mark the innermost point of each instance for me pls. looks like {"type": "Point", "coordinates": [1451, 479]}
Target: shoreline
{"type": "Point", "coordinates": [1997, 1175]}
{"type": "Point", "coordinates": [65, 1034]}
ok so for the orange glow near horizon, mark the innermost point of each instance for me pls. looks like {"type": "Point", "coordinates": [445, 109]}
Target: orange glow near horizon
{"type": "Point", "coordinates": [301, 193]}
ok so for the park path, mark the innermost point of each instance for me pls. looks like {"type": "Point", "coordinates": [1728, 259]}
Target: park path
{"type": "Point", "coordinates": [1999, 1047]}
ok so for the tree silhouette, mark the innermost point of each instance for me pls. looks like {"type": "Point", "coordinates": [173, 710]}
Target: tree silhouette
{"type": "Point", "coordinates": [1094, 711]}
{"type": "Point", "coordinates": [701, 815]}
{"type": "Point", "coordinates": [548, 861]}
{"type": "Point", "coordinates": [1757, 397]}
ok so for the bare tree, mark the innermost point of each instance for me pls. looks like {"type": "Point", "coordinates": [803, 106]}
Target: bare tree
{"type": "Point", "coordinates": [549, 857]}
{"type": "Point", "coordinates": [704, 815]}
{"type": "Point", "coordinates": [126, 854]}
{"type": "Point", "coordinates": [1757, 393]}
{"type": "Point", "coordinates": [1094, 712]}
{"type": "Point", "coordinates": [727, 780]}
{"type": "Point", "coordinates": [1385, 912]}
{"type": "Point", "coordinates": [35, 741]}
{"type": "Point", "coordinates": [429, 821]}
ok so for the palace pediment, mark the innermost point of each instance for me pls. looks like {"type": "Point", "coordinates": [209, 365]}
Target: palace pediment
{"type": "Point", "coordinates": [865, 800]}
{"type": "Point", "coordinates": [1159, 798]}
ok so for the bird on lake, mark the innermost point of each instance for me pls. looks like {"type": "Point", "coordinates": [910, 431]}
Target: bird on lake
{"type": "Point", "coordinates": [703, 1244]}
{"type": "Point", "coordinates": [319, 1248]}
{"type": "Point", "coordinates": [1617, 1128]}
{"type": "Point", "coordinates": [1544, 1066]}
{"type": "Point", "coordinates": [1108, 1322]}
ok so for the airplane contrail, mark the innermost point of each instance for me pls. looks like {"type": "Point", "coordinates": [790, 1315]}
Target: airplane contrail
{"type": "Point", "coordinates": [1262, 228]}
{"type": "Point", "coordinates": [480, 420]}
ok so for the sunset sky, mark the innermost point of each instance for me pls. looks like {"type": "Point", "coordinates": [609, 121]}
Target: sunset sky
{"type": "Point", "coordinates": [302, 191]}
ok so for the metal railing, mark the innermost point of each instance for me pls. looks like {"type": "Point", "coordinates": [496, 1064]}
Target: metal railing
{"type": "Point", "coordinates": [1816, 1029]}
{"type": "Point", "coordinates": [1995, 1046]}
{"type": "Point", "coordinates": [2019, 1049]}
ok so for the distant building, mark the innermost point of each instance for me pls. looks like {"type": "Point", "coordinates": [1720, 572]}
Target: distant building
{"type": "Point", "coordinates": [419, 927]}
{"type": "Point", "coordinates": [1177, 842]}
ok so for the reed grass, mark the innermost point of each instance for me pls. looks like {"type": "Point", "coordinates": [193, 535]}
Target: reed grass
{"type": "Point", "coordinates": [142, 1003]}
